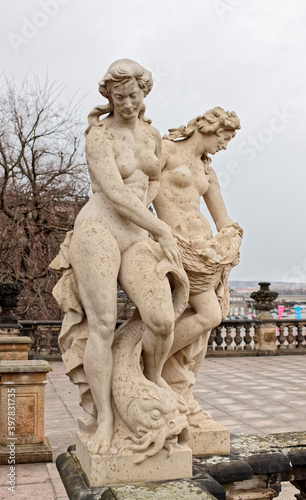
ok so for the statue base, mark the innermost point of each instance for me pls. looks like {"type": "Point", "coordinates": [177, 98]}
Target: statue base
{"type": "Point", "coordinates": [210, 439]}
{"type": "Point", "coordinates": [121, 468]}
{"type": "Point", "coordinates": [26, 453]}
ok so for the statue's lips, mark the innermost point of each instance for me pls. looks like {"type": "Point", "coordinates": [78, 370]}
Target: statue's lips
{"type": "Point", "coordinates": [128, 112]}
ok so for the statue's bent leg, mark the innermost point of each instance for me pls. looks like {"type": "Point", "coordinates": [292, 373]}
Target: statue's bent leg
{"type": "Point", "coordinates": [190, 345]}
{"type": "Point", "coordinates": [152, 297]}
{"type": "Point", "coordinates": [95, 258]}
{"type": "Point", "coordinates": [207, 315]}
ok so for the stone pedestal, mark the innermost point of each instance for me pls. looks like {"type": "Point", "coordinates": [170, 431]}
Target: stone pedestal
{"type": "Point", "coordinates": [14, 348]}
{"type": "Point", "coordinates": [265, 337]}
{"type": "Point", "coordinates": [255, 470]}
{"type": "Point", "coordinates": [22, 391]}
{"type": "Point", "coordinates": [213, 439]}
{"type": "Point", "coordinates": [121, 468]}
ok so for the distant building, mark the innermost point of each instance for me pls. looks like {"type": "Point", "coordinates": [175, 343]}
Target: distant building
{"type": "Point", "coordinates": [238, 304]}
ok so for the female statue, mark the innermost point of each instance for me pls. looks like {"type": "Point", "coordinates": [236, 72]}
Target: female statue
{"type": "Point", "coordinates": [110, 240]}
{"type": "Point", "coordinates": [186, 177]}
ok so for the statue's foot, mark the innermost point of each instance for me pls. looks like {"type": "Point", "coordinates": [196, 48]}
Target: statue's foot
{"type": "Point", "coordinates": [199, 419]}
{"type": "Point", "coordinates": [100, 442]}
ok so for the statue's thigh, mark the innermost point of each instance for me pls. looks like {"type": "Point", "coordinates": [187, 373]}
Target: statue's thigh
{"type": "Point", "coordinates": [95, 258]}
{"type": "Point", "coordinates": [207, 307]}
{"type": "Point", "coordinates": [150, 294]}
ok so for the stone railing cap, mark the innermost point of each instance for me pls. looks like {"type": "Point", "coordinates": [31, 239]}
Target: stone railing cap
{"type": "Point", "coordinates": [26, 366]}
{"type": "Point", "coordinates": [13, 339]}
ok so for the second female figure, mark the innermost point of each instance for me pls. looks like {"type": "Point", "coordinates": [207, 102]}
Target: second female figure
{"type": "Point", "coordinates": [187, 176]}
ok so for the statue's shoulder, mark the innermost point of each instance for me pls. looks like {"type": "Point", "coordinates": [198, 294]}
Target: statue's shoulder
{"type": "Point", "coordinates": [168, 147]}
{"type": "Point", "coordinates": [99, 141]}
{"type": "Point", "coordinates": [100, 133]}
{"type": "Point", "coordinates": [152, 131]}
{"type": "Point", "coordinates": [210, 173]}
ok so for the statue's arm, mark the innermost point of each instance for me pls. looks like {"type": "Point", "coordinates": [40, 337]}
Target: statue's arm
{"type": "Point", "coordinates": [104, 172]}
{"type": "Point", "coordinates": [214, 201]}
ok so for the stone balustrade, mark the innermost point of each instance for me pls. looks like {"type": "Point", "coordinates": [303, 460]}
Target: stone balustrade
{"type": "Point", "coordinates": [44, 336]}
{"type": "Point", "coordinates": [243, 336]}
{"type": "Point", "coordinates": [230, 338]}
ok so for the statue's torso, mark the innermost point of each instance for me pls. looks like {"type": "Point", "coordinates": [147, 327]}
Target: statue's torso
{"type": "Point", "coordinates": [134, 157]}
{"type": "Point", "coordinates": [183, 183]}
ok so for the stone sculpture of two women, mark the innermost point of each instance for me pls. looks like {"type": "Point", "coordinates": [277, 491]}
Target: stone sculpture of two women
{"type": "Point", "coordinates": [135, 384]}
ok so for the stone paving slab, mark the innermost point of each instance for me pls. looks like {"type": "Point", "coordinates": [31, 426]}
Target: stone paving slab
{"type": "Point", "coordinates": [257, 394]}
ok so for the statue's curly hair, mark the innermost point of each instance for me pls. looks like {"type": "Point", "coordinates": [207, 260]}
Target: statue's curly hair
{"type": "Point", "coordinates": [123, 70]}
{"type": "Point", "coordinates": [208, 123]}
{"type": "Point", "coordinates": [118, 73]}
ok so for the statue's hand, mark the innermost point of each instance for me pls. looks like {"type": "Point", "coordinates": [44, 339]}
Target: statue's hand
{"type": "Point", "coordinates": [169, 247]}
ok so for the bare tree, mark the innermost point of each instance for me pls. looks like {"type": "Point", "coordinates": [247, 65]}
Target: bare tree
{"type": "Point", "coordinates": [43, 184]}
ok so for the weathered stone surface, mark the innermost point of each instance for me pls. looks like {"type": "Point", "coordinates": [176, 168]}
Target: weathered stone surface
{"type": "Point", "coordinates": [77, 487]}
{"type": "Point", "coordinates": [270, 453]}
{"type": "Point", "coordinates": [18, 366]}
{"type": "Point", "coordinates": [266, 337]}
{"type": "Point", "coordinates": [208, 483]}
{"type": "Point", "coordinates": [13, 347]}
{"type": "Point", "coordinates": [110, 241]}
{"type": "Point", "coordinates": [121, 467]}
{"type": "Point", "coordinates": [233, 474]}
{"type": "Point", "coordinates": [28, 453]}
{"type": "Point", "coordinates": [211, 439]}
{"type": "Point", "coordinates": [257, 488]}
{"type": "Point", "coordinates": [179, 490]}
{"type": "Point", "coordinates": [22, 391]}
{"type": "Point", "coordinates": [222, 469]}
{"type": "Point", "coordinates": [187, 178]}
{"type": "Point", "coordinates": [136, 384]}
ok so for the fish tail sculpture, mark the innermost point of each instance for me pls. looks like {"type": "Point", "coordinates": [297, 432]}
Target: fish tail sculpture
{"type": "Point", "coordinates": [153, 414]}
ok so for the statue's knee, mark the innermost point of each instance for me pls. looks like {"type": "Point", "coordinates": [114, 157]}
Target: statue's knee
{"type": "Point", "coordinates": [211, 320]}
{"type": "Point", "coordinates": [162, 325]}
{"type": "Point", "coordinates": [104, 326]}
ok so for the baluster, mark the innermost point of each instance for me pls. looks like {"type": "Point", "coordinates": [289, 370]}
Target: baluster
{"type": "Point", "coordinates": [277, 336]}
{"type": "Point", "coordinates": [228, 339]}
{"type": "Point", "coordinates": [36, 339]}
{"type": "Point", "coordinates": [248, 337]}
{"type": "Point", "coordinates": [44, 341]}
{"type": "Point", "coordinates": [54, 340]}
{"type": "Point", "coordinates": [300, 336]}
{"type": "Point", "coordinates": [219, 339]}
{"type": "Point", "coordinates": [238, 338]}
{"type": "Point", "coordinates": [282, 337]}
{"type": "Point", "coordinates": [211, 340]}
{"type": "Point", "coordinates": [31, 333]}
{"type": "Point", "coordinates": [256, 337]}
{"type": "Point", "coordinates": [291, 337]}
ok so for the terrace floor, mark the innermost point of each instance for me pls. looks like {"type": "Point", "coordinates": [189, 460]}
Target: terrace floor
{"type": "Point", "coordinates": [251, 395]}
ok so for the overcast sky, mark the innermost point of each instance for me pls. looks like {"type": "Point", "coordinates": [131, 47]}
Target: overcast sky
{"type": "Point", "coordinates": [243, 55]}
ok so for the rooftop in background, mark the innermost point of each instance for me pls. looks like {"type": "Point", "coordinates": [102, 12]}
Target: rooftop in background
{"type": "Point", "coordinates": [246, 287]}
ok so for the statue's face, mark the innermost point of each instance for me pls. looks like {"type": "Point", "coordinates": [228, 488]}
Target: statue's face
{"type": "Point", "coordinates": [127, 99]}
{"type": "Point", "coordinates": [218, 141]}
